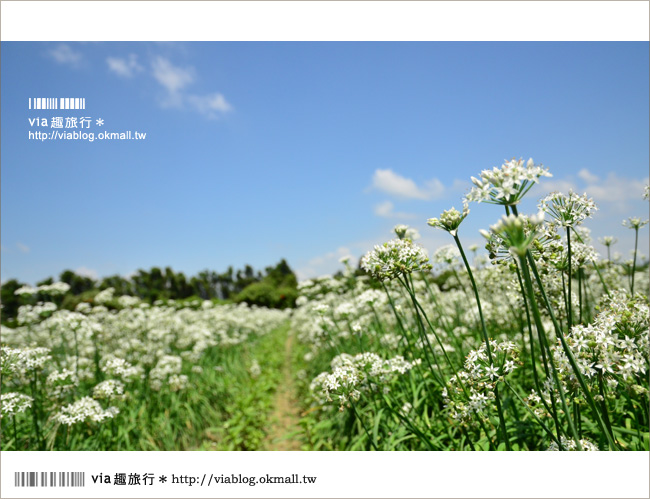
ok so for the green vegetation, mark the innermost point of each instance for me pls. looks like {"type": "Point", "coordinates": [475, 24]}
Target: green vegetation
{"type": "Point", "coordinates": [275, 288]}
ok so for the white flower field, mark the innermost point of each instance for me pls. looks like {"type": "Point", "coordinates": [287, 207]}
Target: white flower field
{"type": "Point", "coordinates": [542, 345]}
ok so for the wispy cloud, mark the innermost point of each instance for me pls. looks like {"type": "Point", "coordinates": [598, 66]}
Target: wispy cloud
{"type": "Point", "coordinates": [125, 67]}
{"type": "Point", "coordinates": [23, 248]}
{"type": "Point", "coordinates": [173, 78]}
{"type": "Point", "coordinates": [210, 105]}
{"type": "Point", "coordinates": [64, 54]}
{"type": "Point", "coordinates": [613, 192]}
{"type": "Point", "coordinates": [176, 79]}
{"type": "Point", "coordinates": [324, 264]}
{"type": "Point", "coordinates": [587, 176]}
{"type": "Point", "coordinates": [86, 272]}
{"type": "Point", "coordinates": [392, 183]}
{"type": "Point", "coordinates": [386, 210]}
{"type": "Point", "coordinates": [617, 198]}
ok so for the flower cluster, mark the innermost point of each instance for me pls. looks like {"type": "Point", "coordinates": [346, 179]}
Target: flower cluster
{"type": "Point", "coordinates": [447, 254]}
{"type": "Point", "coordinates": [85, 409]}
{"type": "Point", "coordinates": [104, 296]}
{"type": "Point", "coordinates": [395, 258]}
{"type": "Point", "coordinates": [569, 444]}
{"type": "Point", "coordinates": [14, 403]}
{"type": "Point", "coordinates": [254, 369]}
{"type": "Point", "coordinates": [515, 232]}
{"type": "Point", "coordinates": [508, 184]}
{"type": "Point", "coordinates": [109, 389]}
{"type": "Point", "coordinates": [31, 314]}
{"type": "Point", "coordinates": [568, 210]}
{"type": "Point", "coordinates": [405, 232]}
{"type": "Point", "coordinates": [114, 366]}
{"type": "Point", "coordinates": [54, 289]}
{"type": "Point", "coordinates": [450, 220]}
{"type": "Point", "coordinates": [614, 346]}
{"type": "Point", "coordinates": [608, 241]}
{"type": "Point", "coordinates": [60, 383]}
{"type": "Point", "coordinates": [28, 359]}
{"type": "Point", "coordinates": [351, 376]}
{"type": "Point", "coordinates": [470, 393]}
{"type": "Point", "coordinates": [635, 223]}
{"type": "Point", "coordinates": [167, 370]}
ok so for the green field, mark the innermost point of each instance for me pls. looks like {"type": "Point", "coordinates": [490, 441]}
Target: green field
{"type": "Point", "coordinates": [543, 345]}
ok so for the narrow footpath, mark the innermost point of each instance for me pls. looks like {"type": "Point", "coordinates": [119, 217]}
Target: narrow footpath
{"type": "Point", "coordinates": [285, 430]}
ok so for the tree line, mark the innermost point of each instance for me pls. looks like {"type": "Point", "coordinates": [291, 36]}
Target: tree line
{"type": "Point", "coordinates": [275, 287]}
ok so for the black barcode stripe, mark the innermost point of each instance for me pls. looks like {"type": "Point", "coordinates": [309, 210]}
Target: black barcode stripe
{"type": "Point", "coordinates": [57, 103]}
{"type": "Point", "coordinates": [45, 479]}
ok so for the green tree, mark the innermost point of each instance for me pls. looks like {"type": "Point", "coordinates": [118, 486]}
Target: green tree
{"type": "Point", "coordinates": [10, 302]}
{"type": "Point", "coordinates": [78, 283]}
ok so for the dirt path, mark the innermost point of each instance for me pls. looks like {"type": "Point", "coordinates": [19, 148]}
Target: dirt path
{"type": "Point", "coordinates": [285, 424]}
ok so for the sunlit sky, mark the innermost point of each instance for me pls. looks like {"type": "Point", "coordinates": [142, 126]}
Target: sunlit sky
{"type": "Point", "coordinates": [302, 150]}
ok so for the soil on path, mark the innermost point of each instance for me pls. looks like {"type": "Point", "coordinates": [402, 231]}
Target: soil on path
{"type": "Point", "coordinates": [285, 430]}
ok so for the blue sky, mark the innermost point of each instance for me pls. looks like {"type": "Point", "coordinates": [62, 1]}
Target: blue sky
{"type": "Point", "coordinates": [305, 151]}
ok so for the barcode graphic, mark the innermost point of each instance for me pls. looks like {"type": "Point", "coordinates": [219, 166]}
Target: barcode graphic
{"type": "Point", "coordinates": [57, 103]}
{"type": "Point", "coordinates": [49, 479]}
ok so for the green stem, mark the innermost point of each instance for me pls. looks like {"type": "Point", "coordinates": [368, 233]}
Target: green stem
{"type": "Point", "coordinates": [443, 319]}
{"type": "Point", "coordinates": [410, 424]}
{"type": "Point", "coordinates": [580, 294]}
{"type": "Point", "coordinates": [551, 410]}
{"type": "Point", "coordinates": [603, 403]}
{"type": "Point", "coordinates": [602, 281]}
{"type": "Point", "coordinates": [569, 313]}
{"type": "Point", "coordinates": [487, 435]}
{"type": "Point", "coordinates": [636, 242]}
{"type": "Point", "coordinates": [544, 427]}
{"type": "Point", "coordinates": [15, 433]}
{"type": "Point", "coordinates": [417, 305]}
{"type": "Point", "coordinates": [423, 337]}
{"type": "Point", "coordinates": [540, 329]}
{"type": "Point", "coordinates": [464, 430]}
{"type": "Point", "coordinates": [569, 354]}
{"type": "Point", "coordinates": [502, 421]}
{"type": "Point", "coordinates": [435, 335]}
{"type": "Point", "coordinates": [35, 413]}
{"type": "Point", "coordinates": [356, 415]}
{"type": "Point", "coordinates": [402, 329]}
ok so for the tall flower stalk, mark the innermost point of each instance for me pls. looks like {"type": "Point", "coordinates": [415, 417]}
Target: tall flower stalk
{"type": "Point", "coordinates": [567, 212]}
{"type": "Point", "coordinates": [634, 223]}
{"type": "Point", "coordinates": [450, 221]}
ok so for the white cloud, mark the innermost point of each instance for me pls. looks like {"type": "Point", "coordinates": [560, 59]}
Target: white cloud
{"type": "Point", "coordinates": [546, 186]}
{"type": "Point", "coordinates": [587, 176]}
{"type": "Point", "coordinates": [616, 189]}
{"type": "Point", "coordinates": [325, 264]}
{"type": "Point", "coordinates": [173, 78]}
{"type": "Point", "coordinates": [617, 198]}
{"type": "Point", "coordinates": [124, 67]}
{"type": "Point", "coordinates": [23, 248]}
{"type": "Point", "coordinates": [86, 272]}
{"type": "Point", "coordinates": [613, 191]}
{"type": "Point", "coordinates": [393, 183]}
{"type": "Point", "coordinates": [210, 105]}
{"type": "Point", "coordinates": [385, 210]}
{"type": "Point", "coordinates": [64, 54]}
